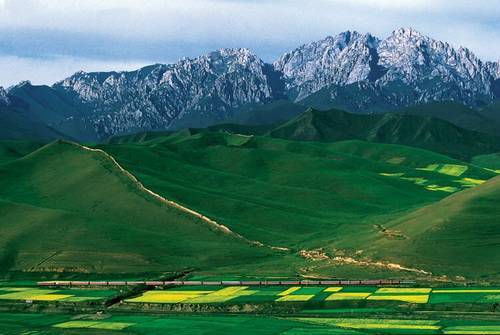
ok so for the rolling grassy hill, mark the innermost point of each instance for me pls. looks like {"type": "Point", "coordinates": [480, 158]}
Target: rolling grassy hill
{"type": "Point", "coordinates": [301, 195]}
{"type": "Point", "coordinates": [419, 131]}
{"type": "Point", "coordinates": [63, 207]}
{"type": "Point", "coordinates": [461, 231]}
{"type": "Point", "coordinates": [67, 207]}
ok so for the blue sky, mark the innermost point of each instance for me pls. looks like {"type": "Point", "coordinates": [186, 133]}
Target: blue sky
{"type": "Point", "coordinates": [47, 40]}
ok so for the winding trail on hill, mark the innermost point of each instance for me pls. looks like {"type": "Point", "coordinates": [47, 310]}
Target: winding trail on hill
{"type": "Point", "coordinates": [214, 224]}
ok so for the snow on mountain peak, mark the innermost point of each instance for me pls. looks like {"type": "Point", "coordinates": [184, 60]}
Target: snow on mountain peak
{"type": "Point", "coordinates": [4, 99]}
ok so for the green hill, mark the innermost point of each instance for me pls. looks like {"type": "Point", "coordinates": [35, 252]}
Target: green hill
{"type": "Point", "coordinates": [461, 232]}
{"type": "Point", "coordinates": [300, 195]}
{"type": "Point", "coordinates": [418, 131]}
{"type": "Point", "coordinates": [64, 207]}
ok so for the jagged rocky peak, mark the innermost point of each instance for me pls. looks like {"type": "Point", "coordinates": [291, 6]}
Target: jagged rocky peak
{"type": "Point", "coordinates": [416, 59]}
{"type": "Point", "coordinates": [494, 68]}
{"type": "Point", "coordinates": [429, 69]}
{"type": "Point", "coordinates": [206, 89]}
{"type": "Point", "coordinates": [4, 98]}
{"type": "Point", "coordinates": [342, 59]}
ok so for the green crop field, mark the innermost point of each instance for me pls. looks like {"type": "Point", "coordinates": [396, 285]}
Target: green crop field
{"type": "Point", "coordinates": [41, 324]}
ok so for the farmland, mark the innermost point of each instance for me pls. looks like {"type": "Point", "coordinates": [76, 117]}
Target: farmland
{"type": "Point", "coordinates": [289, 310]}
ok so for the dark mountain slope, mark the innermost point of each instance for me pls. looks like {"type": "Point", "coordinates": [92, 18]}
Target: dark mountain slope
{"type": "Point", "coordinates": [417, 131]}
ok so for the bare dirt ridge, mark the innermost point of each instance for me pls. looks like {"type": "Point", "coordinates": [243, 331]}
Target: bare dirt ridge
{"type": "Point", "coordinates": [321, 255]}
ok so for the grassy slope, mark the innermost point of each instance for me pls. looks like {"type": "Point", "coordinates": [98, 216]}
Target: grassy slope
{"type": "Point", "coordinates": [76, 210]}
{"type": "Point", "coordinates": [490, 161]}
{"type": "Point", "coordinates": [286, 193]}
{"type": "Point", "coordinates": [461, 230]}
{"type": "Point", "coordinates": [424, 132]}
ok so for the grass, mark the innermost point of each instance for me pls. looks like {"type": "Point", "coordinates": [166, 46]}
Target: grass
{"type": "Point", "coordinates": [462, 227]}
{"type": "Point", "coordinates": [298, 195]}
{"type": "Point", "coordinates": [88, 216]}
{"type": "Point", "coordinates": [264, 189]}
{"type": "Point", "coordinates": [12, 323]}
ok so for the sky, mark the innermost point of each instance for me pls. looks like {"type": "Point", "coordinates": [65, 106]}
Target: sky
{"type": "Point", "coordinates": [47, 40]}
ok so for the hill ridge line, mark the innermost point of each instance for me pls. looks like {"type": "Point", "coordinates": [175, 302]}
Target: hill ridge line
{"type": "Point", "coordinates": [178, 206]}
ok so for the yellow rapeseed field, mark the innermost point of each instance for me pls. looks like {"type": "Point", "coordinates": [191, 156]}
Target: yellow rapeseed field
{"type": "Point", "coordinates": [416, 299]}
{"type": "Point", "coordinates": [348, 296]}
{"type": "Point", "coordinates": [289, 291]}
{"type": "Point", "coordinates": [403, 290]}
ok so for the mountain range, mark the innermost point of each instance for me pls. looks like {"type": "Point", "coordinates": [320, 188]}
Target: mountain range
{"type": "Point", "coordinates": [356, 72]}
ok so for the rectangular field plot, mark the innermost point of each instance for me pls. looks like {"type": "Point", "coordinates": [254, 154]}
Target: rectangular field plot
{"type": "Point", "coordinates": [296, 297]}
{"type": "Point", "coordinates": [348, 296]}
{"type": "Point", "coordinates": [43, 294]}
{"type": "Point", "coordinates": [379, 325]}
{"type": "Point", "coordinates": [289, 291]}
{"type": "Point", "coordinates": [192, 297]}
{"type": "Point", "coordinates": [464, 296]}
{"type": "Point", "coordinates": [105, 325]}
{"type": "Point", "coordinates": [403, 290]}
{"type": "Point", "coordinates": [414, 298]}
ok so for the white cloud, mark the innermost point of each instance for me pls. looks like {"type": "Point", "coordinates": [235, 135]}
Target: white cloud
{"type": "Point", "coordinates": [270, 27]}
{"type": "Point", "coordinates": [47, 71]}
